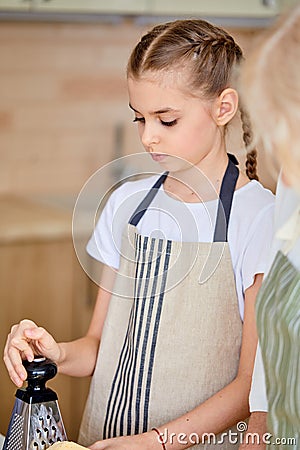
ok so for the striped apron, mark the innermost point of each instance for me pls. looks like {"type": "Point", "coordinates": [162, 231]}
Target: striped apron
{"type": "Point", "coordinates": [174, 339]}
{"type": "Point", "coordinates": [278, 322]}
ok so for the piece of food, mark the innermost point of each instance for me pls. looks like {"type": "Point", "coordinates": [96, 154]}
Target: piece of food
{"type": "Point", "coordinates": [66, 445]}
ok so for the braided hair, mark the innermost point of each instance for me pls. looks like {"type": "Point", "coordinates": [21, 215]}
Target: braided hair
{"type": "Point", "coordinates": [210, 54]}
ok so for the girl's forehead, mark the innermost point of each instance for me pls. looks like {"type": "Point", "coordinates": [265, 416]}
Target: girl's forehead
{"type": "Point", "coordinates": [168, 84]}
{"type": "Point", "coordinates": [148, 95]}
{"type": "Point", "coordinates": [153, 94]}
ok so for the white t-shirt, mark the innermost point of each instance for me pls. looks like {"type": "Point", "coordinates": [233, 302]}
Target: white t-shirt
{"type": "Point", "coordinates": [249, 232]}
{"type": "Point", "coordinates": [287, 210]}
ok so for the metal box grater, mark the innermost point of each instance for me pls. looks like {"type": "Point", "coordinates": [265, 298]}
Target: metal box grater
{"type": "Point", "coordinates": [36, 422]}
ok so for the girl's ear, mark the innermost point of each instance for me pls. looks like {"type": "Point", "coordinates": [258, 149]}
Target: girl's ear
{"type": "Point", "coordinates": [226, 106]}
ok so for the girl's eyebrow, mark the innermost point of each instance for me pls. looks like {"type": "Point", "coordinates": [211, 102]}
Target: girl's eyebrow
{"type": "Point", "coordinates": [159, 111]}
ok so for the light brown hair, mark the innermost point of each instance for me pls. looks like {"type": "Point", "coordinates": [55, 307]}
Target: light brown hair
{"type": "Point", "coordinates": [206, 52]}
{"type": "Point", "coordinates": [270, 86]}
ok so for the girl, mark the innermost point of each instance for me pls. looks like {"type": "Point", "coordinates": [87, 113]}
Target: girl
{"type": "Point", "coordinates": [175, 358]}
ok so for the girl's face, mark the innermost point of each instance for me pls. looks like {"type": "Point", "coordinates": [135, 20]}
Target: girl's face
{"type": "Point", "coordinates": [178, 130]}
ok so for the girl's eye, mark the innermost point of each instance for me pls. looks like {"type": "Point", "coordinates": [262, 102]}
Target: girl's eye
{"type": "Point", "coordinates": [169, 124]}
{"type": "Point", "coordinates": [139, 119]}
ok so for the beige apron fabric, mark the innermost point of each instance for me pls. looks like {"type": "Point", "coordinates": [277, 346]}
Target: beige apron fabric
{"type": "Point", "coordinates": [170, 343]}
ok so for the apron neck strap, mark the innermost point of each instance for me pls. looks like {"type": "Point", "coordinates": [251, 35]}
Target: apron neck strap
{"type": "Point", "coordinates": [142, 208]}
{"type": "Point", "coordinates": [225, 200]}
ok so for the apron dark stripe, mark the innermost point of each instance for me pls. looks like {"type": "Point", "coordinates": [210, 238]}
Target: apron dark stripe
{"type": "Point", "coordinates": [119, 414]}
{"type": "Point", "coordinates": [128, 398]}
{"type": "Point", "coordinates": [155, 333]}
{"type": "Point", "coordinates": [140, 269]}
{"type": "Point", "coordinates": [114, 391]}
{"type": "Point", "coordinates": [147, 288]}
{"type": "Point", "coordinates": [115, 417]}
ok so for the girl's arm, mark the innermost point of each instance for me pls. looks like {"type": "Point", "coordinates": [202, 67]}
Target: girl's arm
{"type": "Point", "coordinates": [75, 358]}
{"type": "Point", "coordinates": [222, 410]}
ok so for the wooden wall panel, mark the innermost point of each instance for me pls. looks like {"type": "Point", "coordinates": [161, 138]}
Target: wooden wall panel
{"type": "Point", "coordinates": [63, 92]}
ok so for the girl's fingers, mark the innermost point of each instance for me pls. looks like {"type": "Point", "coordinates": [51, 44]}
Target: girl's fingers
{"type": "Point", "coordinates": [15, 368]}
{"type": "Point", "coordinates": [12, 373]}
{"type": "Point", "coordinates": [25, 341]}
{"type": "Point", "coordinates": [44, 342]}
{"type": "Point", "coordinates": [19, 346]}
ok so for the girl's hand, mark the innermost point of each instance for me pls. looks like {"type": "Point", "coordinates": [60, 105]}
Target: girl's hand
{"type": "Point", "coordinates": [144, 441]}
{"type": "Point", "coordinates": [25, 341]}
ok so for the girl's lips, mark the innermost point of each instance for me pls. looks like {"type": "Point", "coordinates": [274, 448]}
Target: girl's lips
{"type": "Point", "coordinates": [158, 156]}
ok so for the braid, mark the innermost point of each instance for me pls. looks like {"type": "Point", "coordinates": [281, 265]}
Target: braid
{"type": "Point", "coordinates": [251, 157]}
{"type": "Point", "coordinates": [226, 42]}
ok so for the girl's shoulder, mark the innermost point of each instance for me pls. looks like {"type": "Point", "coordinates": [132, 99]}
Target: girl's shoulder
{"type": "Point", "coordinates": [252, 206]}
{"type": "Point", "coordinates": [253, 197]}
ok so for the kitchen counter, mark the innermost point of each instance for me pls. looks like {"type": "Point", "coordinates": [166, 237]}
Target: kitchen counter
{"type": "Point", "coordinates": [24, 219]}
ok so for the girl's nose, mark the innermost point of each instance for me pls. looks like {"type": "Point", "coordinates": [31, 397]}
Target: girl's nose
{"type": "Point", "coordinates": [149, 136]}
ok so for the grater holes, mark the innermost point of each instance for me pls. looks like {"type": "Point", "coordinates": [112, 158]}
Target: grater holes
{"type": "Point", "coordinates": [45, 427]}
{"type": "Point", "coordinates": [15, 439]}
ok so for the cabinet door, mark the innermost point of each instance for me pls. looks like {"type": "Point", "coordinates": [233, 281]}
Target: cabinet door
{"type": "Point", "coordinates": [22, 5]}
{"type": "Point", "coordinates": [217, 8]}
{"type": "Point", "coordinates": [43, 281]}
{"type": "Point", "coordinates": [90, 6]}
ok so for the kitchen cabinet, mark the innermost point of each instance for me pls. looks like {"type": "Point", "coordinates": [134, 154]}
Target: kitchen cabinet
{"type": "Point", "coordinates": [41, 279]}
{"type": "Point", "coordinates": [259, 9]}
{"type": "Point", "coordinates": [90, 6]}
{"type": "Point", "coordinates": [217, 8]}
{"type": "Point", "coordinates": [22, 5]}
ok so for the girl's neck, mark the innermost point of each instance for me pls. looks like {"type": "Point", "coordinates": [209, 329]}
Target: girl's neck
{"type": "Point", "coordinates": [199, 183]}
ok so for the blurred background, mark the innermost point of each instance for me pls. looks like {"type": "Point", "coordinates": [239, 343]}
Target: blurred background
{"type": "Point", "coordinates": [63, 115]}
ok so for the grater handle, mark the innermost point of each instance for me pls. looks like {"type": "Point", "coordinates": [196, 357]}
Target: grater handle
{"type": "Point", "coordinates": [39, 371]}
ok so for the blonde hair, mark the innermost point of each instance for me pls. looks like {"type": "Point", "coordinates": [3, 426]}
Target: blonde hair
{"type": "Point", "coordinates": [270, 87]}
{"type": "Point", "coordinates": [207, 53]}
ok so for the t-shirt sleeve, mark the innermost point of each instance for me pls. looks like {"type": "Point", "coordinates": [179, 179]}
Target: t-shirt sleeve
{"type": "Point", "coordinates": [258, 397]}
{"type": "Point", "coordinates": [258, 245]}
{"type": "Point", "coordinates": [104, 244]}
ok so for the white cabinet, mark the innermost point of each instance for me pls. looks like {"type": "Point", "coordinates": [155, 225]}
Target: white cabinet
{"type": "Point", "coordinates": [93, 6]}
{"type": "Point", "coordinates": [217, 8]}
{"type": "Point", "coordinates": [213, 8]}
{"type": "Point", "coordinates": [22, 5]}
